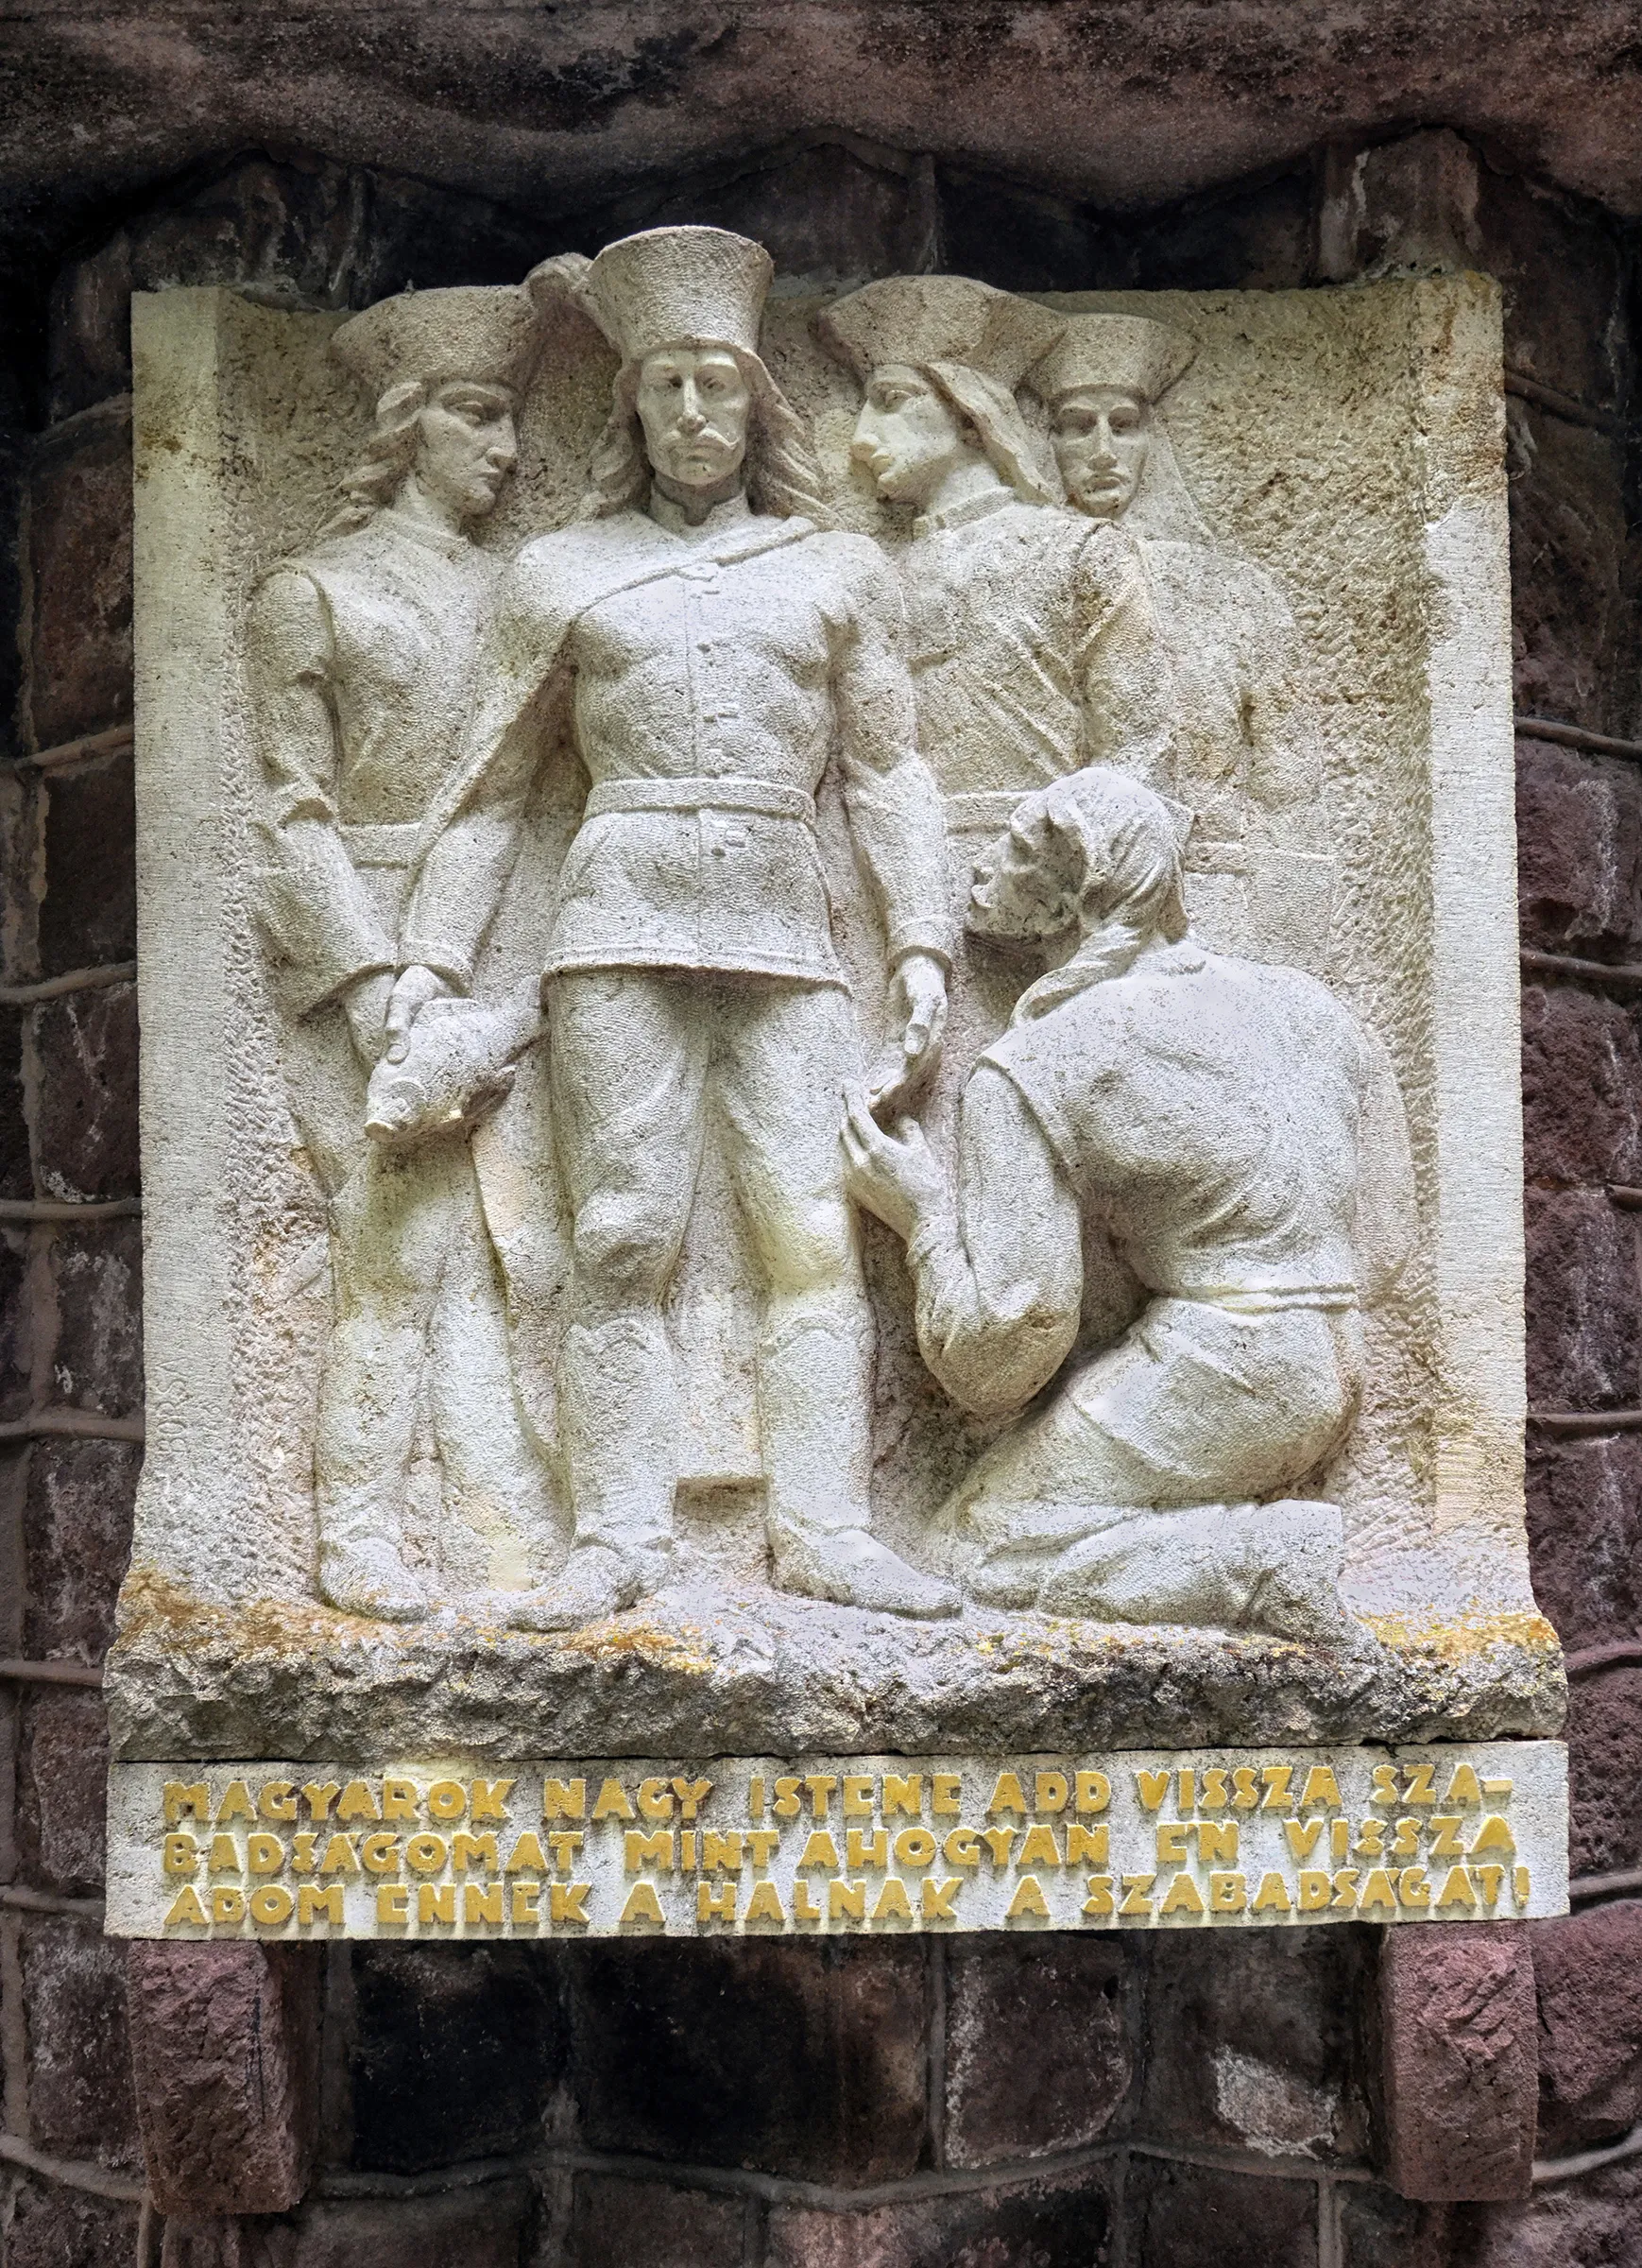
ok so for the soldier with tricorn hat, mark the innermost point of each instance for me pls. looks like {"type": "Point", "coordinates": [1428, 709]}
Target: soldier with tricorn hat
{"type": "Point", "coordinates": [359, 651]}
{"type": "Point", "coordinates": [1247, 762]}
{"type": "Point", "coordinates": [706, 644]}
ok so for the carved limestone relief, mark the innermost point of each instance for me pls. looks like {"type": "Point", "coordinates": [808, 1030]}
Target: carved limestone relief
{"type": "Point", "coordinates": [820, 996]}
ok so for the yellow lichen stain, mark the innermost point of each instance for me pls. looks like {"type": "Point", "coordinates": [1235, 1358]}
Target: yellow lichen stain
{"type": "Point", "coordinates": [1465, 1636]}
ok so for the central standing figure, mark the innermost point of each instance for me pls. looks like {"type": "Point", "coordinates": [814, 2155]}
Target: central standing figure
{"type": "Point", "coordinates": [712, 650]}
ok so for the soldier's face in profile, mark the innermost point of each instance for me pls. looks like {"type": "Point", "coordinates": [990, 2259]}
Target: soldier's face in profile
{"type": "Point", "coordinates": [694, 404]}
{"type": "Point", "coordinates": [908, 436]}
{"type": "Point", "coordinates": [1102, 437]}
{"type": "Point", "coordinates": [465, 447]}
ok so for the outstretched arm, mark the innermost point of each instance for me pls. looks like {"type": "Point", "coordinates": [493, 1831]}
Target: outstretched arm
{"type": "Point", "coordinates": [999, 1271]}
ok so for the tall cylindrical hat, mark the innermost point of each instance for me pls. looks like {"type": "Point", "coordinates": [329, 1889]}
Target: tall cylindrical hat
{"type": "Point", "coordinates": [491, 335]}
{"type": "Point", "coordinates": [678, 287]}
{"type": "Point", "coordinates": [928, 320]}
{"type": "Point", "coordinates": [1133, 352]}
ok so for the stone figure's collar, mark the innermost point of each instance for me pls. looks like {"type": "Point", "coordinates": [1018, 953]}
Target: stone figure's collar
{"type": "Point", "coordinates": [424, 531]}
{"type": "Point", "coordinates": [973, 508]}
{"type": "Point", "coordinates": [1057, 986]}
{"type": "Point", "coordinates": [719, 521]}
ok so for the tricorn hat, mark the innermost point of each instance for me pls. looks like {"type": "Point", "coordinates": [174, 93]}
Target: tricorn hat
{"type": "Point", "coordinates": [928, 320]}
{"type": "Point", "coordinates": [677, 287]}
{"type": "Point", "coordinates": [1132, 351]}
{"type": "Point", "coordinates": [489, 334]}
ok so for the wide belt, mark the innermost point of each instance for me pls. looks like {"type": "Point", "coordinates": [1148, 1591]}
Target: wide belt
{"type": "Point", "coordinates": [767, 797]}
{"type": "Point", "coordinates": [381, 843]}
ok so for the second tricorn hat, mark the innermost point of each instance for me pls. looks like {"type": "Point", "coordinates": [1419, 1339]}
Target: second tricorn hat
{"type": "Point", "coordinates": [927, 319]}
{"type": "Point", "coordinates": [678, 287]}
{"type": "Point", "coordinates": [1131, 352]}
{"type": "Point", "coordinates": [489, 334]}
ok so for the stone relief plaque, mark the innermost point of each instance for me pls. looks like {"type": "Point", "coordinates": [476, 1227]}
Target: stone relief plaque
{"type": "Point", "coordinates": [829, 1086]}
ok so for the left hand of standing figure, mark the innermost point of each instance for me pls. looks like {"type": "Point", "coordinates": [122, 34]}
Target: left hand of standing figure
{"type": "Point", "coordinates": [895, 1175]}
{"type": "Point", "coordinates": [918, 1005]}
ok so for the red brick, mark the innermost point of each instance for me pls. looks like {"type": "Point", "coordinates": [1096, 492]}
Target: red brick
{"type": "Point", "coordinates": [1588, 1972]}
{"type": "Point", "coordinates": [16, 1162]}
{"type": "Point", "coordinates": [57, 2227]}
{"type": "Point", "coordinates": [807, 2061]}
{"type": "Point", "coordinates": [1582, 1088]}
{"type": "Point", "coordinates": [652, 2225]}
{"type": "Point", "coordinates": [1458, 2027]}
{"type": "Point", "coordinates": [472, 2228]}
{"type": "Point", "coordinates": [1379, 2229]}
{"type": "Point", "coordinates": [81, 550]}
{"type": "Point", "coordinates": [89, 915]}
{"type": "Point", "coordinates": [1570, 554]}
{"type": "Point", "coordinates": [1591, 2223]}
{"type": "Point", "coordinates": [1604, 1738]}
{"type": "Point", "coordinates": [63, 1791]}
{"type": "Point", "coordinates": [1039, 2056]}
{"type": "Point", "coordinates": [1583, 1301]}
{"type": "Point", "coordinates": [78, 1535]}
{"type": "Point", "coordinates": [1183, 2216]}
{"type": "Point", "coordinates": [80, 2099]}
{"type": "Point", "coordinates": [227, 2041]}
{"type": "Point", "coordinates": [1251, 2042]}
{"type": "Point", "coordinates": [81, 1080]}
{"type": "Point", "coordinates": [1584, 1532]}
{"type": "Point", "coordinates": [1578, 852]}
{"type": "Point", "coordinates": [1055, 2222]}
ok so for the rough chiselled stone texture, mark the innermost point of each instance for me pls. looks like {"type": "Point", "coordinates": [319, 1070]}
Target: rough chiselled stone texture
{"type": "Point", "coordinates": [226, 2039]}
{"type": "Point", "coordinates": [1604, 1736]}
{"type": "Point", "coordinates": [652, 2225]}
{"type": "Point", "coordinates": [16, 1163]}
{"type": "Point", "coordinates": [456, 2053]}
{"type": "Point", "coordinates": [63, 1791]}
{"type": "Point", "coordinates": [1039, 2052]}
{"type": "Point", "coordinates": [1254, 2045]}
{"type": "Point", "coordinates": [1585, 1302]}
{"type": "Point", "coordinates": [1379, 2229]}
{"type": "Point", "coordinates": [796, 2059]}
{"type": "Point", "coordinates": [1582, 1088]}
{"type": "Point", "coordinates": [1579, 847]}
{"type": "Point", "coordinates": [1590, 2223]}
{"type": "Point", "coordinates": [81, 2101]}
{"type": "Point", "coordinates": [1064, 2223]}
{"type": "Point", "coordinates": [1458, 2053]}
{"type": "Point", "coordinates": [89, 915]}
{"type": "Point", "coordinates": [1193, 2216]}
{"type": "Point", "coordinates": [81, 539]}
{"type": "Point", "coordinates": [78, 1533]}
{"type": "Point", "coordinates": [96, 1284]}
{"type": "Point", "coordinates": [480, 2228]}
{"type": "Point", "coordinates": [57, 2227]}
{"type": "Point", "coordinates": [1584, 1529]}
{"type": "Point", "coordinates": [83, 1074]}
{"type": "Point", "coordinates": [1587, 1972]}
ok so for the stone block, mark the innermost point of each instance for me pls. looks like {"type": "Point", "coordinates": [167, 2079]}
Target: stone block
{"type": "Point", "coordinates": [652, 2225]}
{"type": "Point", "coordinates": [1591, 2223]}
{"type": "Point", "coordinates": [457, 2051]}
{"type": "Point", "coordinates": [1578, 848]}
{"type": "Point", "coordinates": [61, 1790]}
{"type": "Point", "coordinates": [56, 2227]}
{"type": "Point", "coordinates": [1604, 1737]}
{"type": "Point", "coordinates": [22, 872]}
{"type": "Point", "coordinates": [1254, 237]}
{"type": "Point", "coordinates": [1057, 2222]}
{"type": "Point", "coordinates": [1583, 1302]}
{"type": "Point", "coordinates": [80, 552]}
{"type": "Point", "coordinates": [89, 329]}
{"type": "Point", "coordinates": [82, 1073]}
{"type": "Point", "coordinates": [1570, 552]}
{"type": "Point", "coordinates": [1588, 1972]}
{"type": "Point", "coordinates": [80, 2097]}
{"type": "Point", "coordinates": [807, 2061]}
{"type": "Point", "coordinates": [1252, 2045]}
{"type": "Point", "coordinates": [226, 2039]}
{"type": "Point", "coordinates": [1458, 2029]}
{"type": "Point", "coordinates": [1561, 265]}
{"type": "Point", "coordinates": [1039, 2052]}
{"type": "Point", "coordinates": [1405, 205]}
{"type": "Point", "coordinates": [20, 1321]}
{"type": "Point", "coordinates": [77, 1535]}
{"type": "Point", "coordinates": [16, 1164]}
{"type": "Point", "coordinates": [1582, 1088]}
{"type": "Point", "coordinates": [1183, 2216]}
{"type": "Point", "coordinates": [1379, 2229]}
{"type": "Point", "coordinates": [88, 913]}
{"type": "Point", "coordinates": [472, 2228]}
{"type": "Point", "coordinates": [1584, 1531]}
{"type": "Point", "coordinates": [96, 1277]}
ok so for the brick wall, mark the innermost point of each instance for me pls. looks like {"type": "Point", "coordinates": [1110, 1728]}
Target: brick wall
{"type": "Point", "coordinates": [1146, 2103]}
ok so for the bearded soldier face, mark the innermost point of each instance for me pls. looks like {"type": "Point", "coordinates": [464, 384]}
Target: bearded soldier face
{"type": "Point", "coordinates": [694, 405]}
